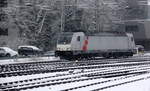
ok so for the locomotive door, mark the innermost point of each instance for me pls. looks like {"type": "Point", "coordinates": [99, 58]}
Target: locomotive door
{"type": "Point", "coordinates": [131, 41]}
{"type": "Point", "coordinates": [78, 43]}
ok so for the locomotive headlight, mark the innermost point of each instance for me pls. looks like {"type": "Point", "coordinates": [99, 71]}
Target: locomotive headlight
{"type": "Point", "coordinates": [63, 47]}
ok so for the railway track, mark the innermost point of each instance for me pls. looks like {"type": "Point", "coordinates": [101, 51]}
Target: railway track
{"type": "Point", "coordinates": [78, 77]}
{"type": "Point", "coordinates": [57, 67]}
{"type": "Point", "coordinates": [99, 85]}
{"type": "Point", "coordinates": [90, 70]}
{"type": "Point", "coordinates": [8, 70]}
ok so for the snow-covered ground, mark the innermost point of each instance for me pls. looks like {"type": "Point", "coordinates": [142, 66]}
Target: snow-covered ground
{"type": "Point", "coordinates": [141, 85]}
{"type": "Point", "coordinates": [23, 60]}
{"type": "Point", "coordinates": [26, 77]}
{"type": "Point", "coordinates": [51, 58]}
{"type": "Point", "coordinates": [146, 54]}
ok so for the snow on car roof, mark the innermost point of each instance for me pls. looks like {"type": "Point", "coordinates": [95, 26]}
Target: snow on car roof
{"type": "Point", "coordinates": [9, 50]}
{"type": "Point", "coordinates": [6, 48]}
{"type": "Point", "coordinates": [33, 47]}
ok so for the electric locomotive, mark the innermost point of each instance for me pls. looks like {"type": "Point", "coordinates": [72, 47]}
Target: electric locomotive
{"type": "Point", "coordinates": [78, 45]}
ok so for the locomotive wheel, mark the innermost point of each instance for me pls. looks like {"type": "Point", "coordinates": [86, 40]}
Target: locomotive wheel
{"type": "Point", "coordinates": [116, 55]}
{"type": "Point", "coordinates": [106, 55]}
{"type": "Point", "coordinates": [125, 55]}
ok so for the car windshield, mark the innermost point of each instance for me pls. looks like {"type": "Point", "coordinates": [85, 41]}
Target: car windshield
{"type": "Point", "coordinates": [7, 49]}
{"type": "Point", "coordinates": [2, 50]}
{"type": "Point", "coordinates": [65, 39]}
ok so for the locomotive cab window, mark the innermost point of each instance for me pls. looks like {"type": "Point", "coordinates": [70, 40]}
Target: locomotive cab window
{"type": "Point", "coordinates": [132, 39]}
{"type": "Point", "coordinates": [78, 38]}
{"type": "Point", "coordinates": [65, 39]}
{"type": "Point", "coordinates": [2, 50]}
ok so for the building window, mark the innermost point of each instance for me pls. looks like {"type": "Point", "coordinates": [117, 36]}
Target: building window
{"type": "Point", "coordinates": [3, 17]}
{"type": "Point", "coordinates": [131, 28]}
{"type": "Point", "coordinates": [3, 3]}
{"type": "Point", "coordinates": [4, 31]}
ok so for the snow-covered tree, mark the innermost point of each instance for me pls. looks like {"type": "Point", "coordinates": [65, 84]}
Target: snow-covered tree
{"type": "Point", "coordinates": [40, 21]}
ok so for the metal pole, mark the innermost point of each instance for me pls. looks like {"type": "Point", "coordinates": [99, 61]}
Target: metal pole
{"type": "Point", "coordinates": [62, 15]}
{"type": "Point", "coordinates": [43, 22]}
{"type": "Point", "coordinates": [97, 16]}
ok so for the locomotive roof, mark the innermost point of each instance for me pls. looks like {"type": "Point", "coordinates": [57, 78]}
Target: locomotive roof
{"type": "Point", "coordinates": [108, 34]}
{"type": "Point", "coordinates": [67, 33]}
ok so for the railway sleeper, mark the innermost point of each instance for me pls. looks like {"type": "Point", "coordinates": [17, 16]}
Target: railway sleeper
{"type": "Point", "coordinates": [48, 83]}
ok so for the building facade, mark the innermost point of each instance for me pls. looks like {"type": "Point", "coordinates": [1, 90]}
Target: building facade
{"type": "Point", "coordinates": [137, 22]}
{"type": "Point", "coordinates": [9, 32]}
{"type": "Point", "coordinates": [136, 18]}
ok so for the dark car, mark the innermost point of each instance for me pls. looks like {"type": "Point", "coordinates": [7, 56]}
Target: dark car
{"type": "Point", "coordinates": [29, 51]}
{"type": "Point", "coordinates": [139, 49]}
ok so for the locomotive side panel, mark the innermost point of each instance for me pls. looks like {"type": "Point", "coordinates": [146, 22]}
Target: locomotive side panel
{"type": "Point", "coordinates": [105, 43]}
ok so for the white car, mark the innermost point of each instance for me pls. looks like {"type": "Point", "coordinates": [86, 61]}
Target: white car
{"type": "Point", "coordinates": [7, 52]}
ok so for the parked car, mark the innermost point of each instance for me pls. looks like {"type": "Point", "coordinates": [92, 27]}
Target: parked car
{"type": "Point", "coordinates": [7, 52]}
{"type": "Point", "coordinates": [29, 50]}
{"type": "Point", "coordinates": [139, 49]}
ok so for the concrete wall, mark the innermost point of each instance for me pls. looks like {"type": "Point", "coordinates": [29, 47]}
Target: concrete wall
{"type": "Point", "coordinates": [142, 34]}
{"type": "Point", "coordinates": [12, 39]}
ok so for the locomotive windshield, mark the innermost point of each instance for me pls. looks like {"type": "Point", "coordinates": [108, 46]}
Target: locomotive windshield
{"type": "Point", "coordinates": [65, 39]}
